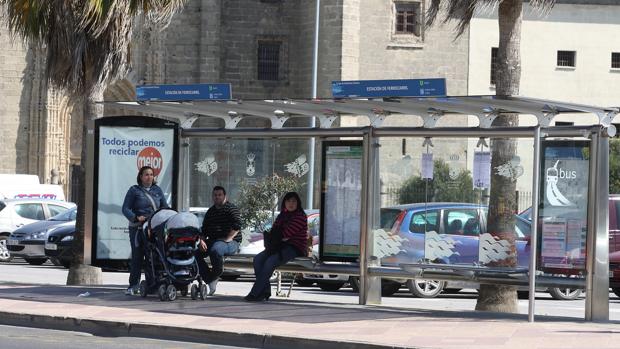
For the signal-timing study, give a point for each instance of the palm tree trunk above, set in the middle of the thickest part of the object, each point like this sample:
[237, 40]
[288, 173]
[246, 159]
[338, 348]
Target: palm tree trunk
[80, 273]
[501, 298]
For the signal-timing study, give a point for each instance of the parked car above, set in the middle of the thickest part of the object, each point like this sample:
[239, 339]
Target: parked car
[15, 213]
[614, 240]
[59, 243]
[614, 272]
[28, 241]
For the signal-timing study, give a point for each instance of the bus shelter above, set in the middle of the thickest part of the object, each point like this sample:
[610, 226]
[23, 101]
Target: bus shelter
[402, 185]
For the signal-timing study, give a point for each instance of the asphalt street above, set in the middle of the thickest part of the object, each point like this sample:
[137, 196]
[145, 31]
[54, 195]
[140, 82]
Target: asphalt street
[12, 337]
[19, 272]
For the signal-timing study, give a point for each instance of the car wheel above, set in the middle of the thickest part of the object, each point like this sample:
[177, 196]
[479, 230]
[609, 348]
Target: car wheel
[388, 287]
[523, 294]
[425, 288]
[5, 254]
[229, 277]
[55, 261]
[354, 281]
[66, 263]
[330, 286]
[616, 291]
[299, 280]
[35, 261]
[564, 294]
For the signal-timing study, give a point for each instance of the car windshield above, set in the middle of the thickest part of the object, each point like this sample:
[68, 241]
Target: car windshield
[68, 215]
[2, 206]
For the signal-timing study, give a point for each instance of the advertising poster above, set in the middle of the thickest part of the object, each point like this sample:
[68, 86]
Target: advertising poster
[341, 200]
[122, 152]
[482, 169]
[563, 204]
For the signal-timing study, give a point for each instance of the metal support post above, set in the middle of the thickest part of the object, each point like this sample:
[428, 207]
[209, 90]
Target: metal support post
[370, 286]
[597, 260]
[90, 192]
[534, 230]
[183, 187]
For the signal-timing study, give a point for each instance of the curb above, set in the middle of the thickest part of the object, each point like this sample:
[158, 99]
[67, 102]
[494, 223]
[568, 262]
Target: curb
[105, 328]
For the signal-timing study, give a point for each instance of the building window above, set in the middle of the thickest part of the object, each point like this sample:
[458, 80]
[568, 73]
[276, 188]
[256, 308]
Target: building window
[566, 59]
[615, 60]
[407, 18]
[493, 65]
[269, 60]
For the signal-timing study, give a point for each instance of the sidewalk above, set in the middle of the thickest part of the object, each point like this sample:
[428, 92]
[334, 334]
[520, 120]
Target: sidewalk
[285, 323]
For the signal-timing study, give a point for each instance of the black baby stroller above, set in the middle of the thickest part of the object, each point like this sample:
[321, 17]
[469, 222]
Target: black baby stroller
[172, 241]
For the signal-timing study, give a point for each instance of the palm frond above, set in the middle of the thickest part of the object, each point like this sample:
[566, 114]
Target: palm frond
[464, 10]
[86, 40]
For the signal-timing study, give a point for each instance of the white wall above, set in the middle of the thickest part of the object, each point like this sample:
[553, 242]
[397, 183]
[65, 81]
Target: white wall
[590, 30]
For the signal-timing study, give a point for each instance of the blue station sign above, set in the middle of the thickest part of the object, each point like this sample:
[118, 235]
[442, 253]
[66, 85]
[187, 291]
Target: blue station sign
[183, 92]
[389, 88]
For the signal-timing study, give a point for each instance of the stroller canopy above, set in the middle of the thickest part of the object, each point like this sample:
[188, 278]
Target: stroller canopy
[183, 220]
[160, 217]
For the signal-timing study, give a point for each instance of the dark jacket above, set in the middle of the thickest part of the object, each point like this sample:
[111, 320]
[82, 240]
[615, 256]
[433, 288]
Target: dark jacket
[218, 223]
[137, 204]
[294, 229]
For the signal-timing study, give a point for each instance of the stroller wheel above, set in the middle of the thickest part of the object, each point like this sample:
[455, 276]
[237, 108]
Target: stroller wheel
[161, 291]
[171, 292]
[184, 291]
[143, 289]
[194, 292]
[203, 291]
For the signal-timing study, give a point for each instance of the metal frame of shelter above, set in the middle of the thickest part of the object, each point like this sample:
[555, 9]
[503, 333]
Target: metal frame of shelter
[430, 110]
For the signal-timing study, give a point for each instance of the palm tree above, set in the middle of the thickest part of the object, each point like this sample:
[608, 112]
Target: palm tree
[502, 199]
[87, 45]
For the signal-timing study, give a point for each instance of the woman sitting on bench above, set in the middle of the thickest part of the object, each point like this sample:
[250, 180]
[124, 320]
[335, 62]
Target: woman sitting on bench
[291, 234]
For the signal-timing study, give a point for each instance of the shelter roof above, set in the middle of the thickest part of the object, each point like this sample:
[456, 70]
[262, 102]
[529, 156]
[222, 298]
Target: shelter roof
[430, 109]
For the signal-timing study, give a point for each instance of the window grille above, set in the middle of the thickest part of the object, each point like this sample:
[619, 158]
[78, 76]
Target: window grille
[269, 60]
[615, 60]
[493, 65]
[406, 20]
[566, 59]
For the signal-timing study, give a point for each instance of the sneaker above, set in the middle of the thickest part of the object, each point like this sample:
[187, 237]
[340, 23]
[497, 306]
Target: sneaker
[132, 291]
[212, 285]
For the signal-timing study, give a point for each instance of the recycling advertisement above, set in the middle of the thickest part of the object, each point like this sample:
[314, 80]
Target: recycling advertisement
[122, 152]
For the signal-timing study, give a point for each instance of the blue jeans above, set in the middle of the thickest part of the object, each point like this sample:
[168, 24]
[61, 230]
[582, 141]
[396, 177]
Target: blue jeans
[137, 256]
[216, 253]
[264, 266]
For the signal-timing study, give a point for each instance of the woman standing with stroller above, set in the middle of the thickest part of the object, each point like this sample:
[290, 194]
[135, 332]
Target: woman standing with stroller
[293, 224]
[140, 202]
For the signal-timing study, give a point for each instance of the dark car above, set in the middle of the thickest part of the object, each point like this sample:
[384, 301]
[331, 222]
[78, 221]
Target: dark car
[614, 240]
[28, 241]
[59, 243]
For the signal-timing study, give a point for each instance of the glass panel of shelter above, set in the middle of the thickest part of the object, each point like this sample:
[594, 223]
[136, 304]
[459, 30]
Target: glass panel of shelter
[443, 219]
[275, 165]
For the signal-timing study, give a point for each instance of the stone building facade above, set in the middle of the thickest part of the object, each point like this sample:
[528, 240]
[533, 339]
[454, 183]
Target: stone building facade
[263, 48]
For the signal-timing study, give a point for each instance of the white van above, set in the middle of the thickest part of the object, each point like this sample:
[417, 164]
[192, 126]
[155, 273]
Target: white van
[31, 191]
[27, 186]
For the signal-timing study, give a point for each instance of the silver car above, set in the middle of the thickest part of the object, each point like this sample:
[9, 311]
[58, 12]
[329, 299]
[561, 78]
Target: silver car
[28, 241]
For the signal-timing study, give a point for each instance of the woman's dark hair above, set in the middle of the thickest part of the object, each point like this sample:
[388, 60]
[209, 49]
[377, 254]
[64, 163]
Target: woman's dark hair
[142, 169]
[291, 194]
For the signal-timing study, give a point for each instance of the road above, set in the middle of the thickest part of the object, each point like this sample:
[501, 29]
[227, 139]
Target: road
[464, 301]
[13, 337]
